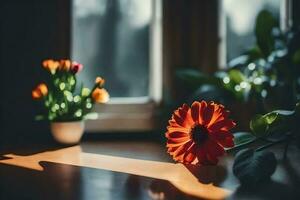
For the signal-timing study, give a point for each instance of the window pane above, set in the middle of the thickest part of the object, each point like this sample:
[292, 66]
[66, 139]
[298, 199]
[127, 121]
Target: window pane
[111, 39]
[240, 22]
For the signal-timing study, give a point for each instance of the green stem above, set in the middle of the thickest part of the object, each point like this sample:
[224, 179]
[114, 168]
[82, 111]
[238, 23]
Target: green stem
[271, 144]
[241, 145]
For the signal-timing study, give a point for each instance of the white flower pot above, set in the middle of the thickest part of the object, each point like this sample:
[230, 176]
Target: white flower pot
[67, 132]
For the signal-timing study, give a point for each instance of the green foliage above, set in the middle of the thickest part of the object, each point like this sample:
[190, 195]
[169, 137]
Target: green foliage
[252, 167]
[278, 121]
[64, 100]
[242, 138]
[265, 23]
[194, 77]
[296, 57]
[267, 74]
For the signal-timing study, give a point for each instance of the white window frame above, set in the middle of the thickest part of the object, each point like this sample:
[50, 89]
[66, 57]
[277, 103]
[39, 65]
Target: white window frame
[136, 113]
[285, 23]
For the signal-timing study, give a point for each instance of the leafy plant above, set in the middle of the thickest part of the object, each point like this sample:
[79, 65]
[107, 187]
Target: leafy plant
[60, 98]
[278, 126]
[267, 74]
[253, 167]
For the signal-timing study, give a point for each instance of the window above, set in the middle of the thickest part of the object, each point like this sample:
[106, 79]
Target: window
[121, 41]
[239, 21]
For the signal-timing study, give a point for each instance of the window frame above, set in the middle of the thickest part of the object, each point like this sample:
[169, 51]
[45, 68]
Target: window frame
[285, 22]
[135, 113]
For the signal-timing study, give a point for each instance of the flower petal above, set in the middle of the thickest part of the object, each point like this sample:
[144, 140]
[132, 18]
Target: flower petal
[208, 113]
[195, 111]
[173, 140]
[176, 134]
[219, 114]
[214, 151]
[201, 155]
[203, 106]
[225, 125]
[224, 138]
[190, 154]
[178, 129]
[179, 153]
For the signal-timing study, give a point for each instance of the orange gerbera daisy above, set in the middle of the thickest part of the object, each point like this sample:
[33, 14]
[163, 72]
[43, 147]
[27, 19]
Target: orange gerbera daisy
[199, 134]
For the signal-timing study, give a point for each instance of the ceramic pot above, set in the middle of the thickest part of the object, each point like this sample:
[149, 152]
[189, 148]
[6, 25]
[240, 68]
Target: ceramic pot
[67, 132]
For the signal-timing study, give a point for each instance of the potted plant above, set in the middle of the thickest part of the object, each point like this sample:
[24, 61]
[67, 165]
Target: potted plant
[264, 78]
[63, 103]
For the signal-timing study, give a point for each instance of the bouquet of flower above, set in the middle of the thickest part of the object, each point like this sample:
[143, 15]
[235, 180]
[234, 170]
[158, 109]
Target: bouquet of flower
[61, 99]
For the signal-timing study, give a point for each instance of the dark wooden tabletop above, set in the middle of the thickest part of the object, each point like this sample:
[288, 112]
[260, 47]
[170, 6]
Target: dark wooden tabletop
[130, 170]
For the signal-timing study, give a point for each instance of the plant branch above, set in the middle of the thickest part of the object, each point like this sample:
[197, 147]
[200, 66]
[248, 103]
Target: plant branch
[241, 145]
[271, 144]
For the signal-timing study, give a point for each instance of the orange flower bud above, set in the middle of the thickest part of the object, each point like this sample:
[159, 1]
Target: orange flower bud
[36, 94]
[65, 65]
[46, 63]
[43, 88]
[100, 95]
[51, 65]
[99, 81]
[40, 91]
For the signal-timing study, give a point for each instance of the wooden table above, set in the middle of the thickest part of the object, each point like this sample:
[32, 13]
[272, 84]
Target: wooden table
[130, 170]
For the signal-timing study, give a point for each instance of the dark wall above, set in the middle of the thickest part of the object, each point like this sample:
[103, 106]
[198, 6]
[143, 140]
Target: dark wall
[296, 13]
[31, 31]
[190, 39]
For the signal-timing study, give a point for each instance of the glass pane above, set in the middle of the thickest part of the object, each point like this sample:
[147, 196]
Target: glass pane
[111, 39]
[240, 22]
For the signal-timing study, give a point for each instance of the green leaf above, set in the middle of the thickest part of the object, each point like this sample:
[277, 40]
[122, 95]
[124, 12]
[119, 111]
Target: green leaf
[265, 22]
[270, 117]
[241, 138]
[277, 120]
[296, 57]
[85, 92]
[252, 167]
[236, 76]
[259, 125]
[196, 78]
[254, 54]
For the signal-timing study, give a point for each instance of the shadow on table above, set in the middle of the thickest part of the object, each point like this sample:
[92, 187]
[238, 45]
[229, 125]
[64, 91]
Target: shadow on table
[208, 174]
[57, 181]
[30, 149]
[62, 181]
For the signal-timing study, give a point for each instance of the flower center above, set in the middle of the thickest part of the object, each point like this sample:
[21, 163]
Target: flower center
[199, 134]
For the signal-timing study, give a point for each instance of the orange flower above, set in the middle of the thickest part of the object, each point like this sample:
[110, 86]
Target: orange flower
[51, 65]
[40, 91]
[65, 65]
[99, 81]
[199, 134]
[100, 95]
